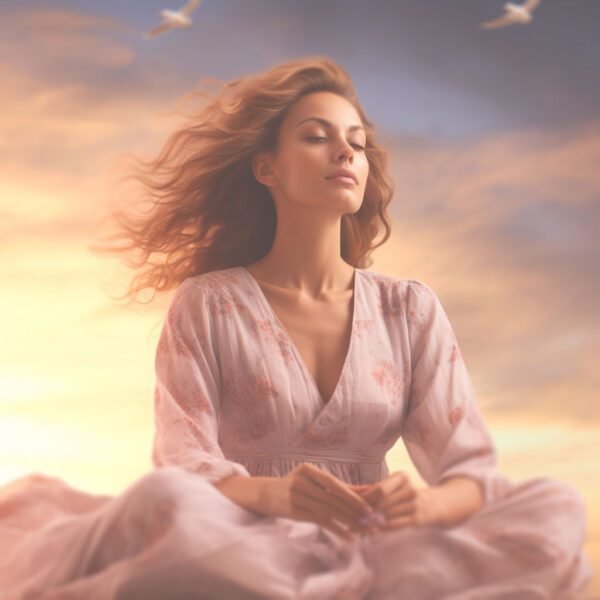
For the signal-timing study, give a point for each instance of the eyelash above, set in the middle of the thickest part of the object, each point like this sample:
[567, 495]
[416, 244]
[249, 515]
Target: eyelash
[322, 138]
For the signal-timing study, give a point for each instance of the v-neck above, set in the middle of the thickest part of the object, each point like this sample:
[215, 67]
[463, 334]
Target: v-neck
[293, 345]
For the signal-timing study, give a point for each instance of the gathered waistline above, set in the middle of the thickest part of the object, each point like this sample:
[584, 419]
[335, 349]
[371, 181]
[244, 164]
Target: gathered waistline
[301, 454]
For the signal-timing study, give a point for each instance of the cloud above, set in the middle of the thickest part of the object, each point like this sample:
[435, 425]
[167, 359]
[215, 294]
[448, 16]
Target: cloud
[64, 21]
[63, 36]
[505, 229]
[501, 226]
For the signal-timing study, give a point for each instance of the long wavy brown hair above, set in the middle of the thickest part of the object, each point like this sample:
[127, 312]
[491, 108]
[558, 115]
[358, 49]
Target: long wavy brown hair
[206, 210]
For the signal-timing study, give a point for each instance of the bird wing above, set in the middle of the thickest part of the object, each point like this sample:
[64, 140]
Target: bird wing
[500, 22]
[158, 30]
[189, 7]
[531, 5]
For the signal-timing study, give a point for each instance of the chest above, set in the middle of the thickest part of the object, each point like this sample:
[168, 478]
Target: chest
[320, 332]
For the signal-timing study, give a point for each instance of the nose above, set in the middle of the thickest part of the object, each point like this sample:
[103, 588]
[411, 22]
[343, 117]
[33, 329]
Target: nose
[347, 151]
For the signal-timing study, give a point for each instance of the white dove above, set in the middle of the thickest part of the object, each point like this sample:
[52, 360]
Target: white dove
[174, 18]
[515, 13]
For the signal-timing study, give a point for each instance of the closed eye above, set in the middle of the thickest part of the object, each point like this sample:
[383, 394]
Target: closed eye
[323, 138]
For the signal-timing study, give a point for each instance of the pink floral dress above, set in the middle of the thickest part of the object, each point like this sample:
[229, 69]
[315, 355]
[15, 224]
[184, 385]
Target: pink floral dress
[233, 396]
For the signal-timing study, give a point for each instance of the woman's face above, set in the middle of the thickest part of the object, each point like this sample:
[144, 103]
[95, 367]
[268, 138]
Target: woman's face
[310, 151]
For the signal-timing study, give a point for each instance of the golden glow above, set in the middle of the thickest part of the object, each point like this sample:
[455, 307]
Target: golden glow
[77, 373]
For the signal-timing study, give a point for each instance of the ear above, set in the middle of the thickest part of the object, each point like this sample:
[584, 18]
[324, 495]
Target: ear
[261, 167]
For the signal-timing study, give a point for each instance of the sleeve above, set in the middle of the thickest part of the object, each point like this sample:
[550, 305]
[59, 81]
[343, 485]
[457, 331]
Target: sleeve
[186, 394]
[443, 431]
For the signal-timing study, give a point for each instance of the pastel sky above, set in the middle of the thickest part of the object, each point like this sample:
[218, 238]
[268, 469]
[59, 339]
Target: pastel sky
[494, 141]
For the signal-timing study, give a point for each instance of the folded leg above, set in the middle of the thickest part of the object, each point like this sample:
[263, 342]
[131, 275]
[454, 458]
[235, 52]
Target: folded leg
[174, 535]
[525, 545]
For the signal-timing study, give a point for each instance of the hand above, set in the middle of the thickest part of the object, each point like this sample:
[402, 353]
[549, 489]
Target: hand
[398, 501]
[308, 493]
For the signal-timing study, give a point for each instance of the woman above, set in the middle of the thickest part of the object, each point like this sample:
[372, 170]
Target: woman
[284, 373]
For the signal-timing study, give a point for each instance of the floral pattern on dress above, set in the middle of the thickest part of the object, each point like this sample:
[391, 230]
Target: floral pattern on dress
[416, 319]
[170, 342]
[391, 303]
[273, 335]
[251, 396]
[267, 330]
[390, 379]
[455, 415]
[454, 353]
[362, 327]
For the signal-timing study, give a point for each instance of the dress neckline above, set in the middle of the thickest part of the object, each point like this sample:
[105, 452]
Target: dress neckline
[275, 318]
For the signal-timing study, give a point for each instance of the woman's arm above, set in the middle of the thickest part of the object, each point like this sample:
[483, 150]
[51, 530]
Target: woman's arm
[453, 500]
[188, 389]
[443, 430]
[247, 492]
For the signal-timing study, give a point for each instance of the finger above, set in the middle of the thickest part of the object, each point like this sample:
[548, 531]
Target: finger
[361, 493]
[339, 498]
[337, 488]
[389, 491]
[399, 477]
[324, 510]
[398, 523]
[398, 497]
[341, 491]
[374, 497]
[394, 482]
[312, 490]
[360, 488]
[402, 509]
[344, 533]
[396, 477]
[331, 499]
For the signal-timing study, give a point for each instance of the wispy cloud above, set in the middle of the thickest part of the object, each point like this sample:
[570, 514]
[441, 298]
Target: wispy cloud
[505, 227]
[501, 225]
[69, 35]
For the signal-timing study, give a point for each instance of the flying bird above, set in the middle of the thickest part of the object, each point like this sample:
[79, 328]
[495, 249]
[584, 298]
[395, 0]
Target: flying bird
[514, 13]
[174, 18]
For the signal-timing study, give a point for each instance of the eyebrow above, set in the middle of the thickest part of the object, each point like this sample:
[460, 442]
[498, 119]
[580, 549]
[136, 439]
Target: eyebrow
[328, 124]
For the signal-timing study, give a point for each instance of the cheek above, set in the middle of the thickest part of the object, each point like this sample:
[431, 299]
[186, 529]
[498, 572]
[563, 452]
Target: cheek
[307, 168]
[364, 165]
[365, 172]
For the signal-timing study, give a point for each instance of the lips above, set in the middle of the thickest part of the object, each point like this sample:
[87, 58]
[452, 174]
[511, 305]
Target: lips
[343, 173]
